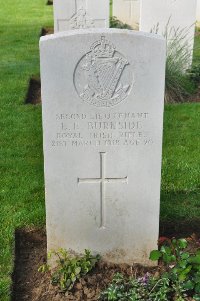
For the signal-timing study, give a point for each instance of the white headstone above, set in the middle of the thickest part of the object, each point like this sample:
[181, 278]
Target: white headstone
[102, 101]
[172, 14]
[77, 14]
[198, 13]
[127, 11]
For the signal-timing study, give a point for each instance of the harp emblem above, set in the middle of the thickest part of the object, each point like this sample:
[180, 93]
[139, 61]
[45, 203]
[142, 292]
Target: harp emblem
[103, 76]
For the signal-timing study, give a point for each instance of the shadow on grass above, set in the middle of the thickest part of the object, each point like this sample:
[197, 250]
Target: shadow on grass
[33, 95]
[180, 213]
[49, 2]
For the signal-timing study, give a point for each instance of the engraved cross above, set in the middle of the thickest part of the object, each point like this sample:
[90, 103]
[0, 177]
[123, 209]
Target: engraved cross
[103, 180]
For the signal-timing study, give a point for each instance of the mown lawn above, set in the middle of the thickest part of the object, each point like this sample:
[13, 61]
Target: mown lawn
[21, 159]
[180, 194]
[180, 191]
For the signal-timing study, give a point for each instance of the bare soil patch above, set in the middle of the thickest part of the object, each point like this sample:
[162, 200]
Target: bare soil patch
[33, 95]
[30, 252]
[46, 30]
[31, 285]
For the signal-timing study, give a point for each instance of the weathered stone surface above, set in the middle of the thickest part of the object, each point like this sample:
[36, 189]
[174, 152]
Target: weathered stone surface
[102, 101]
[77, 14]
[127, 11]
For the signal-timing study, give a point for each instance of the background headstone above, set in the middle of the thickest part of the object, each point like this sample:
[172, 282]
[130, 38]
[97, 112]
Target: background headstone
[127, 11]
[173, 14]
[77, 14]
[102, 101]
[198, 13]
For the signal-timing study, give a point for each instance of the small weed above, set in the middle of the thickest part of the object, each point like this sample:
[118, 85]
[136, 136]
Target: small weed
[178, 279]
[147, 288]
[182, 268]
[69, 268]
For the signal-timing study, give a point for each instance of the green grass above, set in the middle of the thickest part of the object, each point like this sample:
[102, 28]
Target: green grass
[21, 159]
[110, 8]
[180, 194]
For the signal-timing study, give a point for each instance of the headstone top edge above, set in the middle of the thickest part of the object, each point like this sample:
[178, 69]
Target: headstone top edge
[69, 33]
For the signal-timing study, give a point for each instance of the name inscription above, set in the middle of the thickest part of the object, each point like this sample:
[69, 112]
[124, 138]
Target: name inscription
[109, 129]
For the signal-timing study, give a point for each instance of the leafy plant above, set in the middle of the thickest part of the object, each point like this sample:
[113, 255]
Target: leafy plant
[115, 23]
[146, 288]
[70, 268]
[178, 279]
[182, 267]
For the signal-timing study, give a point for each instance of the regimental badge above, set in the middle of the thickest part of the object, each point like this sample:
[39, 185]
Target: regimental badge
[103, 77]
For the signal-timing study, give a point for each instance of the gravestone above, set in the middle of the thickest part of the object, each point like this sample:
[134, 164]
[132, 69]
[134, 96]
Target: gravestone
[198, 13]
[102, 102]
[77, 14]
[176, 15]
[127, 11]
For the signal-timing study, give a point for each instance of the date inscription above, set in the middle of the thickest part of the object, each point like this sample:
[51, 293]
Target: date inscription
[109, 129]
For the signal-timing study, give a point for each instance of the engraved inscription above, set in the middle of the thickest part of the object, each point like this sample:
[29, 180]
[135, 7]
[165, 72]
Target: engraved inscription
[103, 76]
[103, 180]
[123, 129]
